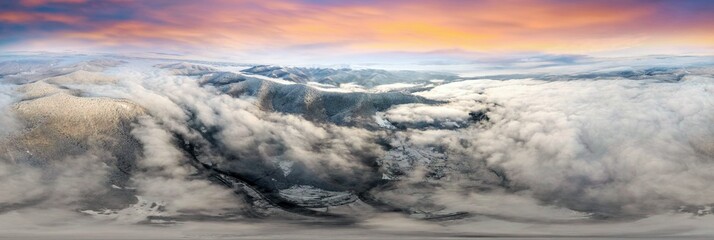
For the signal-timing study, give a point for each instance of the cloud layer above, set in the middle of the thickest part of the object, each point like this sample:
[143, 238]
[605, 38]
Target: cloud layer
[499, 153]
[614, 146]
[324, 27]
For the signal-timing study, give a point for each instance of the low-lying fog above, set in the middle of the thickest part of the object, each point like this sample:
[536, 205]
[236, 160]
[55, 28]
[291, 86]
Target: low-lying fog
[115, 147]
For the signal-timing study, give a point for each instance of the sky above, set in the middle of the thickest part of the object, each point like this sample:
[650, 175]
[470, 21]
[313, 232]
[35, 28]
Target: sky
[330, 30]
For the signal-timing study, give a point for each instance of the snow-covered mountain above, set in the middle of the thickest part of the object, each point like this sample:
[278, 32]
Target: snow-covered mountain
[362, 77]
[158, 141]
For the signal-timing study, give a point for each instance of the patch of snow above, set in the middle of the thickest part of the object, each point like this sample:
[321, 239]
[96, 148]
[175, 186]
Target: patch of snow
[286, 166]
[135, 213]
[393, 86]
[382, 122]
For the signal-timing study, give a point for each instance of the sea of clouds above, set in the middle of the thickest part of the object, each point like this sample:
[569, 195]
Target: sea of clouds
[562, 156]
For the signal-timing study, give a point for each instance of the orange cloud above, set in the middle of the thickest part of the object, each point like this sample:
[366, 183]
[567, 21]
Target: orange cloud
[489, 25]
[34, 3]
[23, 17]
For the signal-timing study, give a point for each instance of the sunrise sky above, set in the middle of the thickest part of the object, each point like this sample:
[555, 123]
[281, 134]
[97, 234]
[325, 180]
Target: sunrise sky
[315, 28]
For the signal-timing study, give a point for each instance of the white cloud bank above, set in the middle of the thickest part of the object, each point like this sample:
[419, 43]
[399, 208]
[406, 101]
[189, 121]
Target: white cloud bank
[550, 152]
[616, 146]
